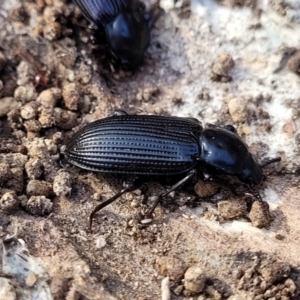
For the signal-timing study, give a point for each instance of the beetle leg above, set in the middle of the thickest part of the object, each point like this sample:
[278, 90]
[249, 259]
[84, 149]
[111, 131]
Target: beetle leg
[135, 184]
[192, 173]
[119, 113]
[230, 128]
[270, 161]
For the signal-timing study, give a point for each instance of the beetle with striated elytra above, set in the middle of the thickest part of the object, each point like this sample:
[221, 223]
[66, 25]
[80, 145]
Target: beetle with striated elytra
[149, 145]
[126, 26]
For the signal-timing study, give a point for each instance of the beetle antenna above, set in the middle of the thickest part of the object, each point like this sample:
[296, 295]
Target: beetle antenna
[270, 161]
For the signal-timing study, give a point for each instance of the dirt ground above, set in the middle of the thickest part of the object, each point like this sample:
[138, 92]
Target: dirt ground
[224, 62]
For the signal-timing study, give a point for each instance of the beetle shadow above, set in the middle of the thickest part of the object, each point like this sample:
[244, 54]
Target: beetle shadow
[279, 223]
[152, 187]
[214, 284]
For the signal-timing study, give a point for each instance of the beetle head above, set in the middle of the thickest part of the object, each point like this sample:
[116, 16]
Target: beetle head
[223, 150]
[128, 36]
[253, 175]
[252, 172]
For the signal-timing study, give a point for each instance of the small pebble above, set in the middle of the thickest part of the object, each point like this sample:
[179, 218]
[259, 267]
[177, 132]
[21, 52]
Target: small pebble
[9, 202]
[14, 159]
[194, 279]
[49, 97]
[223, 64]
[41, 148]
[171, 267]
[29, 110]
[146, 221]
[34, 168]
[39, 187]
[276, 271]
[25, 93]
[100, 242]
[5, 173]
[51, 13]
[134, 203]
[39, 205]
[279, 237]
[52, 148]
[131, 223]
[71, 96]
[32, 126]
[237, 109]
[6, 105]
[147, 93]
[52, 31]
[290, 284]
[230, 209]
[65, 119]
[31, 279]
[62, 183]
[57, 138]
[257, 215]
[203, 189]
[246, 129]
[46, 117]
[16, 183]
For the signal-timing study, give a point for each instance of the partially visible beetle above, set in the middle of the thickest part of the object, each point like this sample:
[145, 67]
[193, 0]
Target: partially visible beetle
[155, 145]
[125, 24]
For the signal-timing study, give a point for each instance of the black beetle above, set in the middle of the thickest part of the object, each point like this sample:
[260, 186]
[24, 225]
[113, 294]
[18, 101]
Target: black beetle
[125, 25]
[143, 145]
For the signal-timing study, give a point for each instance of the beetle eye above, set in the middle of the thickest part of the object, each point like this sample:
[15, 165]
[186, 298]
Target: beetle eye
[142, 6]
[230, 128]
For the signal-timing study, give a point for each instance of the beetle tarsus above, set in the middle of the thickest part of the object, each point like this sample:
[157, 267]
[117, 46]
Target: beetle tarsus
[135, 184]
